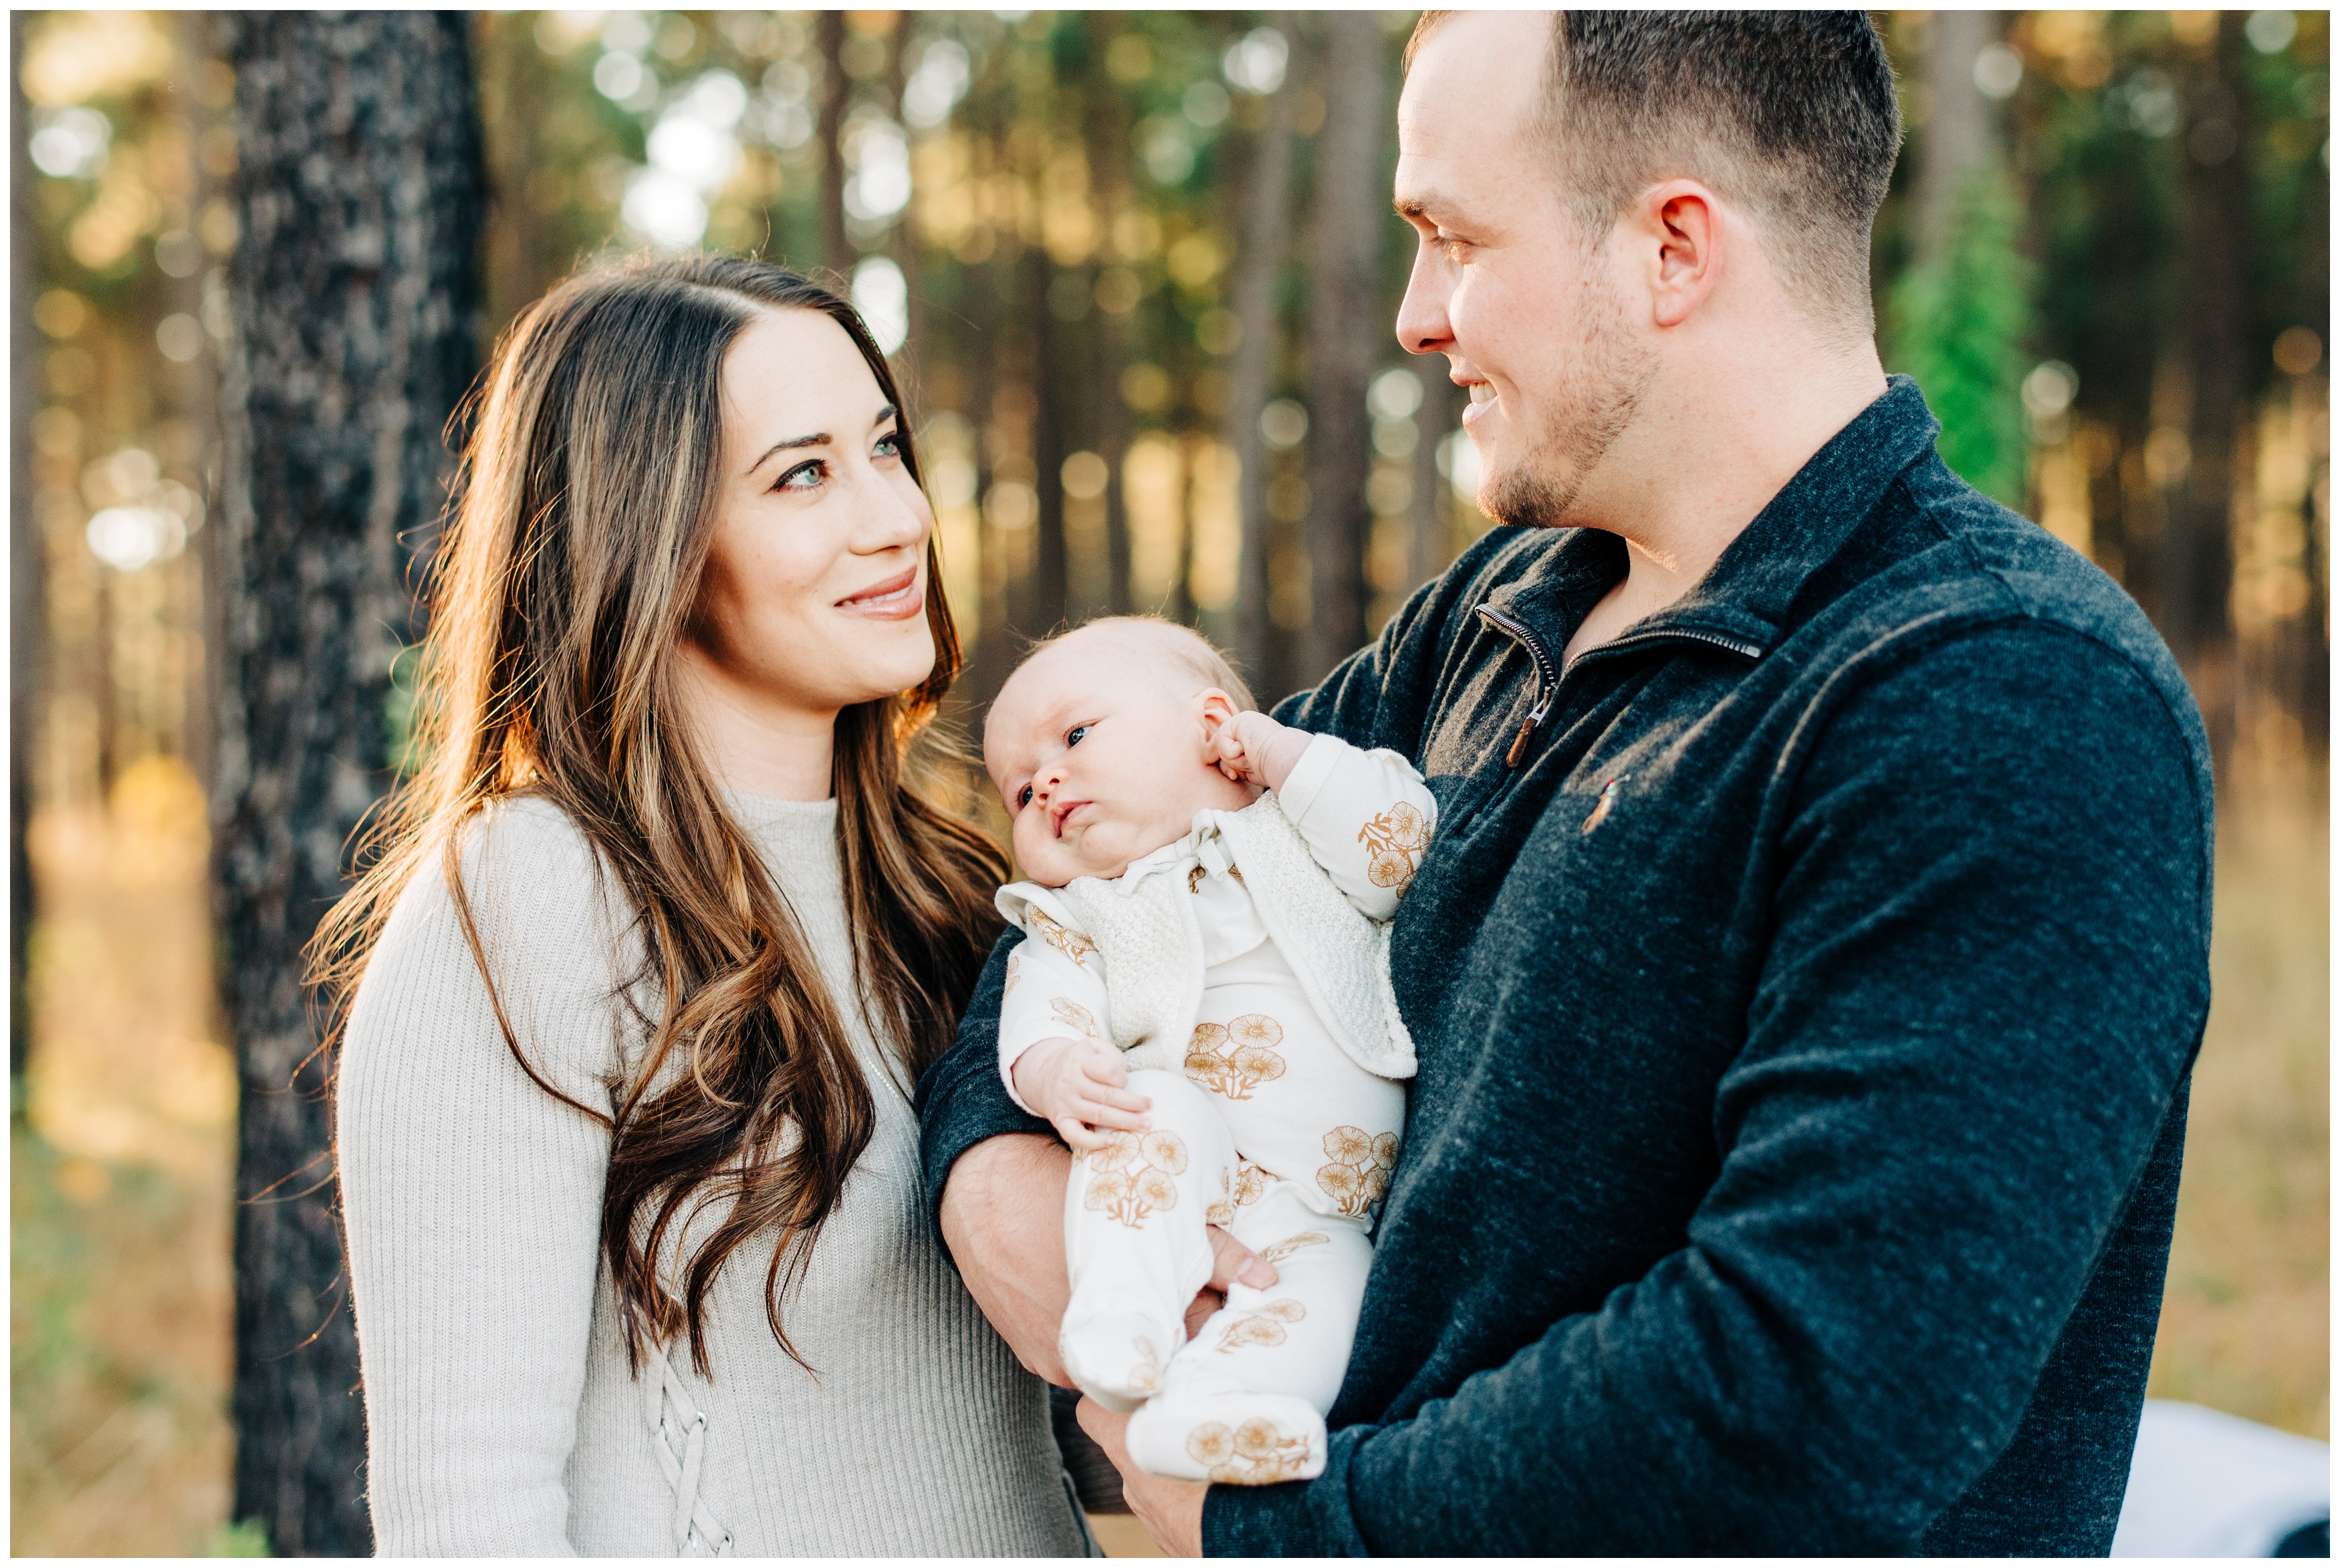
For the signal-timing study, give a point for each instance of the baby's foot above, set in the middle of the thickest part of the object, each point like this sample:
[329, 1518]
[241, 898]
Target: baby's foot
[1116, 1358]
[1237, 1439]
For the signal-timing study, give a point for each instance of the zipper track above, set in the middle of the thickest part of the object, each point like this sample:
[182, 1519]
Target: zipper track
[1549, 674]
[1547, 677]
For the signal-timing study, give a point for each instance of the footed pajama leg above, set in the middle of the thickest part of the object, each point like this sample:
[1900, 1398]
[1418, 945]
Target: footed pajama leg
[1243, 1404]
[1135, 1218]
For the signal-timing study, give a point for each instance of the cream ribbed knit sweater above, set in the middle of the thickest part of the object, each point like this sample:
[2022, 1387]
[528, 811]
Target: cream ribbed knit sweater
[500, 1417]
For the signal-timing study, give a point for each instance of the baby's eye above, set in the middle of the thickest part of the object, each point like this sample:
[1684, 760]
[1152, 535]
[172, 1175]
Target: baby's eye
[803, 477]
[1073, 736]
[1023, 797]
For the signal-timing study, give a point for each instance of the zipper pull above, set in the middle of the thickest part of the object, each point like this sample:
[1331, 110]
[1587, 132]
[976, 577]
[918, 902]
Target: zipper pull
[1535, 717]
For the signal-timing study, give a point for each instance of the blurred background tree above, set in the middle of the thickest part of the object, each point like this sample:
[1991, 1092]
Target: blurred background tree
[1139, 273]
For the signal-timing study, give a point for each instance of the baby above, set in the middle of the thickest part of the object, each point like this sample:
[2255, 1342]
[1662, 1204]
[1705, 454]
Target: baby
[1202, 1010]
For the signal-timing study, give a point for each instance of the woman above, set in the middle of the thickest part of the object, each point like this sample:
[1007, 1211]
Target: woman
[659, 940]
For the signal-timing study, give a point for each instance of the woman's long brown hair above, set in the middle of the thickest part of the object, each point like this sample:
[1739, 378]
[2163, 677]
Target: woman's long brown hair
[557, 600]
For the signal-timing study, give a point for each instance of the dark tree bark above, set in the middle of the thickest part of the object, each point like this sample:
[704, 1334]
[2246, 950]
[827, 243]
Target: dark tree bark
[1266, 231]
[1344, 281]
[27, 556]
[1108, 134]
[828, 38]
[355, 299]
[1433, 421]
[2214, 286]
[1054, 370]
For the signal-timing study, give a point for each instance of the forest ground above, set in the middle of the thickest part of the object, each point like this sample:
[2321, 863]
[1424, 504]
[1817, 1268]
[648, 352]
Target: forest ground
[122, 1170]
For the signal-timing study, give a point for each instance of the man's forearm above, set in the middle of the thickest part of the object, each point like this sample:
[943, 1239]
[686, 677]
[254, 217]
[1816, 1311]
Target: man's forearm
[1002, 1218]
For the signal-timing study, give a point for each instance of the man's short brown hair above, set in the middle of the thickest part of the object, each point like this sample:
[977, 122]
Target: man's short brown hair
[1788, 114]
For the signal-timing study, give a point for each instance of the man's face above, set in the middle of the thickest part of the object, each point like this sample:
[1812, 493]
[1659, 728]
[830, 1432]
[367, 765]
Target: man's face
[1537, 323]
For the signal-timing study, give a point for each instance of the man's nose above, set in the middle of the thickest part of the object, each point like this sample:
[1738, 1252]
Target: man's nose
[1422, 324]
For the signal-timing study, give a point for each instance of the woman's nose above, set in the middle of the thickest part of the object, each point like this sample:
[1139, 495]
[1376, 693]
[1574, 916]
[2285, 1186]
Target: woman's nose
[889, 521]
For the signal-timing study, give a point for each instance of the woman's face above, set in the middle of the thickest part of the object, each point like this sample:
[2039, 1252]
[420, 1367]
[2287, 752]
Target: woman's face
[814, 597]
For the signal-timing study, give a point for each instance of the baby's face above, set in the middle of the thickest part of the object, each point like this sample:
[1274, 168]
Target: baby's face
[1100, 759]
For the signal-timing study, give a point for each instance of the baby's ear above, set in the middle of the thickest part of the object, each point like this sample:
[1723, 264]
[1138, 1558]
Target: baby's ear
[1213, 710]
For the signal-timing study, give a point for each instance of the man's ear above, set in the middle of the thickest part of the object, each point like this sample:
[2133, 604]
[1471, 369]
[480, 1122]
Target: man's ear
[1680, 224]
[1213, 710]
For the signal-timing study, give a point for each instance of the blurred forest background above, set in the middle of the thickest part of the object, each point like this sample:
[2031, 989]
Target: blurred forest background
[1139, 272]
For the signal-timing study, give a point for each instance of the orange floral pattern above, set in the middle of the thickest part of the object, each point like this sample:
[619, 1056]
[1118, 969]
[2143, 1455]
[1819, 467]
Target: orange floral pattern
[1073, 1016]
[1250, 1183]
[1015, 963]
[1061, 937]
[1360, 1172]
[1265, 1327]
[1145, 1372]
[1394, 842]
[1276, 1252]
[1222, 1212]
[1255, 1452]
[1131, 1177]
[1235, 1058]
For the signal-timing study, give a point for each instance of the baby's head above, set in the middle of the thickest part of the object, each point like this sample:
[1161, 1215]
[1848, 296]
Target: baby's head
[1099, 745]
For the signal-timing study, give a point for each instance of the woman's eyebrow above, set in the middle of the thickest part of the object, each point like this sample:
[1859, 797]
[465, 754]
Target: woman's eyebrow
[817, 439]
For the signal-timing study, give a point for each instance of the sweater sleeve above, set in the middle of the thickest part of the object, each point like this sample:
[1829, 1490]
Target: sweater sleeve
[473, 1196]
[961, 1100]
[1047, 994]
[1987, 976]
[1366, 817]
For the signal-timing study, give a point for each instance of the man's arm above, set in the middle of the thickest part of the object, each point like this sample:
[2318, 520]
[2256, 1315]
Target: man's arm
[1986, 980]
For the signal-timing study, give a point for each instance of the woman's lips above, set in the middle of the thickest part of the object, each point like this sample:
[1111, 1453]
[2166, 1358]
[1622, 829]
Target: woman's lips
[896, 598]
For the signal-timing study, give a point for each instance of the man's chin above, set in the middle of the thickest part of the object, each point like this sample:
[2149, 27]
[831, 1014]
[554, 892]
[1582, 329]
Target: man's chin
[1525, 500]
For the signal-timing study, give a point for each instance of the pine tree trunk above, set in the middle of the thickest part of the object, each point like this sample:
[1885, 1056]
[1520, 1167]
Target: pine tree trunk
[1266, 229]
[828, 38]
[354, 296]
[27, 554]
[2216, 275]
[1352, 217]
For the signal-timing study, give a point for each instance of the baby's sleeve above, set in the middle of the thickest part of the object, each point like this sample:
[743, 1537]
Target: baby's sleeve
[1054, 990]
[1366, 817]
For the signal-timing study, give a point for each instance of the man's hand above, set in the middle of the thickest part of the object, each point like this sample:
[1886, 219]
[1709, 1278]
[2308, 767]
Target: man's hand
[1080, 1087]
[1171, 1510]
[1252, 748]
[1003, 1219]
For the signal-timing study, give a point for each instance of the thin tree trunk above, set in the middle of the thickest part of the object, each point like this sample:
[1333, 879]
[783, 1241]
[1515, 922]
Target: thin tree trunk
[1050, 584]
[1108, 134]
[1433, 421]
[1266, 229]
[27, 552]
[1958, 125]
[354, 296]
[829, 38]
[1352, 217]
[2215, 288]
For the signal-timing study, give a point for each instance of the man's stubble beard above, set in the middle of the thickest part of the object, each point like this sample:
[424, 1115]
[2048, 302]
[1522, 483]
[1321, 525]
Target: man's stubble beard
[1598, 404]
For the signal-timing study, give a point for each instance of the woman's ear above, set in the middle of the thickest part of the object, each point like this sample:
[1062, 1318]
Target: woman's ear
[1214, 711]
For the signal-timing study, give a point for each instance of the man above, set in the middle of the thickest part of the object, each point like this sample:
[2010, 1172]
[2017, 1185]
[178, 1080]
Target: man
[1814, 947]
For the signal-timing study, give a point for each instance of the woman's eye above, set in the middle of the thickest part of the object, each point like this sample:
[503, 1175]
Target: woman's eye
[1024, 797]
[1072, 736]
[888, 445]
[803, 477]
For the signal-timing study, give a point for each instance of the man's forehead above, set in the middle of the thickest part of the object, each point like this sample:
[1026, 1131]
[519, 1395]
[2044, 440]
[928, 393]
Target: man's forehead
[1473, 92]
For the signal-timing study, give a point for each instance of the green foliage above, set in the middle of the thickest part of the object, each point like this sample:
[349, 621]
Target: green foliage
[403, 752]
[1959, 324]
[245, 1538]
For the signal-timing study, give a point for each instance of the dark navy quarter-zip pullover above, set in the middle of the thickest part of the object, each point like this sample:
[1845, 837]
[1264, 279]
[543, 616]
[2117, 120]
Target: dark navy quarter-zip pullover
[1805, 985]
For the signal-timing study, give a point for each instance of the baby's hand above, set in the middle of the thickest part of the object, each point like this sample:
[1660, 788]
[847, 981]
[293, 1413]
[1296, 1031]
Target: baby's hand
[1081, 1086]
[1252, 748]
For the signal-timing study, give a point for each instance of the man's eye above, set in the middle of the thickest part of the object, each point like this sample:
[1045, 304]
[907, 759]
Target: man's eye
[1072, 736]
[1024, 797]
[803, 477]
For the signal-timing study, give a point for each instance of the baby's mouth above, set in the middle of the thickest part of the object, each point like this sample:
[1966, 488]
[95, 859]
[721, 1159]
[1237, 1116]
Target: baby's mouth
[1058, 814]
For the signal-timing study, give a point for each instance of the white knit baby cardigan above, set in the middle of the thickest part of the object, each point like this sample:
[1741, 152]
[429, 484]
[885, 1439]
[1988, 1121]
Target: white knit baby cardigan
[501, 1420]
[1144, 923]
